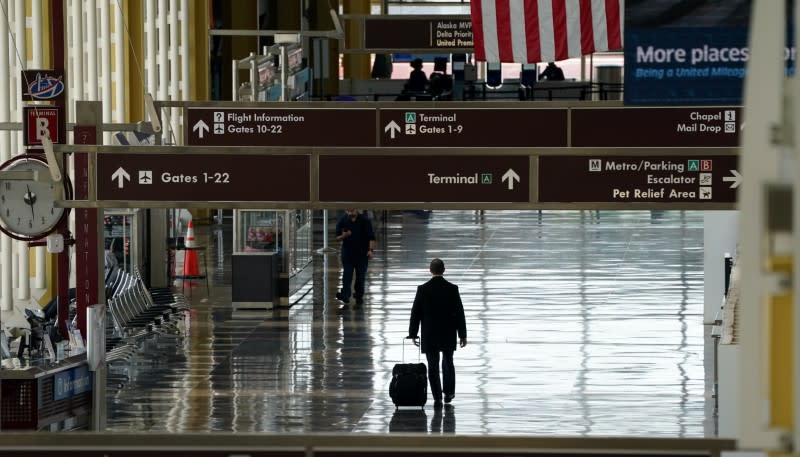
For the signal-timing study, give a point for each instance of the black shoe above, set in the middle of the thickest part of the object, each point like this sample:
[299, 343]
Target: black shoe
[359, 301]
[341, 298]
[449, 398]
[437, 404]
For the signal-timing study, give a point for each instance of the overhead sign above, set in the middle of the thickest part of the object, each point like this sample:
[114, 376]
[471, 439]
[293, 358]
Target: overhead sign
[463, 179]
[203, 177]
[638, 179]
[473, 127]
[656, 127]
[277, 127]
[688, 53]
[398, 33]
[42, 122]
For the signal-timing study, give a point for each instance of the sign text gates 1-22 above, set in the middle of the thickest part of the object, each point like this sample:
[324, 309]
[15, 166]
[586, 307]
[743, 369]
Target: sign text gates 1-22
[203, 177]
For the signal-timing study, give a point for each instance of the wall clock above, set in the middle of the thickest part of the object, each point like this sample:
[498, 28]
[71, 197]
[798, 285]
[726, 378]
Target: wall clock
[27, 206]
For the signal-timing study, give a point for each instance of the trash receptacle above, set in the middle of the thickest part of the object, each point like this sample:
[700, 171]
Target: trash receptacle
[254, 280]
[609, 78]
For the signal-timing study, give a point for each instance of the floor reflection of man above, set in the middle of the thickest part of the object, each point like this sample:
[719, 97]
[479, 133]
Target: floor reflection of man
[446, 424]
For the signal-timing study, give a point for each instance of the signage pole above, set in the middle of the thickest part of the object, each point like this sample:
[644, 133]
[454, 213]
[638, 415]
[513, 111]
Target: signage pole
[95, 357]
[88, 228]
[325, 228]
[57, 24]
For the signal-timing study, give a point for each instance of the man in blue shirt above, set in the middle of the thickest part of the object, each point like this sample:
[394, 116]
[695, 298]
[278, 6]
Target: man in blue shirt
[355, 232]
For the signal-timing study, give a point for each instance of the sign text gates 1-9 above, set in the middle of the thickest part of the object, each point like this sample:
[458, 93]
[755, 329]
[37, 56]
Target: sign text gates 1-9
[203, 177]
[473, 127]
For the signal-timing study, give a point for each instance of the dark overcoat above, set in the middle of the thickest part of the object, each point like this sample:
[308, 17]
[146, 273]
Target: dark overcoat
[438, 307]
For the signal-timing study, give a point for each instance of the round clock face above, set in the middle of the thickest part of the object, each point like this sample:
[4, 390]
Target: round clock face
[27, 206]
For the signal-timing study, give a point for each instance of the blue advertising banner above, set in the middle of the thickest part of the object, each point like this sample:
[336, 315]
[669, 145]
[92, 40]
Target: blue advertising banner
[72, 382]
[685, 67]
[687, 53]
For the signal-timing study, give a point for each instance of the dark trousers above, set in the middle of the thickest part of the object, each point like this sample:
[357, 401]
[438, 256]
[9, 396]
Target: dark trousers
[448, 374]
[360, 267]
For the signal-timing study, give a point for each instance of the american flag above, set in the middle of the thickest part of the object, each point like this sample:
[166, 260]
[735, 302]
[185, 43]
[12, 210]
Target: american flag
[530, 31]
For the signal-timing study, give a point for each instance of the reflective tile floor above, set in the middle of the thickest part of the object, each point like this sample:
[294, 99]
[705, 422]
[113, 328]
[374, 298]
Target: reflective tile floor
[579, 323]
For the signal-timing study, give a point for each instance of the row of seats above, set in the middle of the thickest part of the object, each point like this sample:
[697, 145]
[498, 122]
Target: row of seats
[136, 314]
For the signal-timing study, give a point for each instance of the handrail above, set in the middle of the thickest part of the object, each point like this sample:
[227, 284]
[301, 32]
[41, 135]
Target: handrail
[90, 444]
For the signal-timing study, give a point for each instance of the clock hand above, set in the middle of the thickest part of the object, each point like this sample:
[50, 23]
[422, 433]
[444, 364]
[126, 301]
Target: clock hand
[29, 196]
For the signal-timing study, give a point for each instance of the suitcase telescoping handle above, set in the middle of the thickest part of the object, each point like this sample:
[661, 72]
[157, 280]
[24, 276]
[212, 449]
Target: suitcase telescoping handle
[419, 354]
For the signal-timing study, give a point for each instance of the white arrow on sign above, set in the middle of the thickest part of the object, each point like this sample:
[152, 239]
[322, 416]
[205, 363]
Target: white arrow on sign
[392, 128]
[199, 127]
[736, 178]
[120, 175]
[510, 176]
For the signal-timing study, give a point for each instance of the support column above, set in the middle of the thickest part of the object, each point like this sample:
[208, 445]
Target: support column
[92, 77]
[19, 57]
[76, 48]
[40, 58]
[183, 50]
[163, 59]
[59, 40]
[123, 103]
[130, 67]
[174, 71]
[759, 162]
[198, 52]
[105, 66]
[18, 62]
[240, 15]
[6, 249]
[325, 54]
[356, 66]
[39, 33]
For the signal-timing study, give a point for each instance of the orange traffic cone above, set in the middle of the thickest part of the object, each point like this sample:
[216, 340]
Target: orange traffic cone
[190, 266]
[189, 241]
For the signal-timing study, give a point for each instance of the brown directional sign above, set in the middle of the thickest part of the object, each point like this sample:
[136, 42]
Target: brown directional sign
[495, 179]
[203, 177]
[631, 179]
[398, 33]
[351, 127]
[656, 127]
[473, 127]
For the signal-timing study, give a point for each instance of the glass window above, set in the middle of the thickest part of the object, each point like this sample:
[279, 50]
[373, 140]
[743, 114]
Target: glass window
[257, 231]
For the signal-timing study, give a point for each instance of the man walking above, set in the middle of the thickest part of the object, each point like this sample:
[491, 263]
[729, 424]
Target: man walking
[438, 307]
[355, 232]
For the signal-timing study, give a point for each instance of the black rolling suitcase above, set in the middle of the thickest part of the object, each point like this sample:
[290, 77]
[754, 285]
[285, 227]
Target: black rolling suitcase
[409, 385]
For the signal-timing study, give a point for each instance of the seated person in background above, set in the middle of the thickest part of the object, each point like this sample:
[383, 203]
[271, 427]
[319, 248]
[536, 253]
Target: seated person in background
[552, 73]
[441, 84]
[417, 81]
